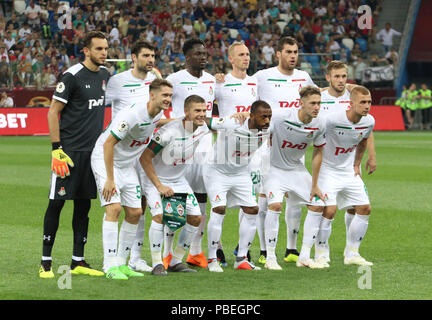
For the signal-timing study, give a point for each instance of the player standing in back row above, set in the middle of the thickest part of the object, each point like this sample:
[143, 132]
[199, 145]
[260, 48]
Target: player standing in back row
[79, 100]
[123, 90]
[193, 81]
[335, 98]
[280, 86]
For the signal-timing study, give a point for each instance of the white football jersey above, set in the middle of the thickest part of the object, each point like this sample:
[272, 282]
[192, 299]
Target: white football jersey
[331, 104]
[133, 128]
[342, 137]
[174, 148]
[124, 89]
[236, 95]
[282, 92]
[291, 138]
[185, 85]
[235, 145]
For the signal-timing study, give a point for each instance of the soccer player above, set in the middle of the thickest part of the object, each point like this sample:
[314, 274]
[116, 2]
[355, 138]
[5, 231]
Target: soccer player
[347, 132]
[113, 159]
[279, 86]
[164, 161]
[123, 90]
[333, 99]
[228, 180]
[235, 92]
[193, 81]
[292, 133]
[79, 100]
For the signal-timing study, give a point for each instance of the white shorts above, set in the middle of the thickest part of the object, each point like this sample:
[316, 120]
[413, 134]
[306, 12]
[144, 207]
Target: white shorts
[154, 200]
[194, 176]
[297, 183]
[234, 190]
[126, 181]
[342, 188]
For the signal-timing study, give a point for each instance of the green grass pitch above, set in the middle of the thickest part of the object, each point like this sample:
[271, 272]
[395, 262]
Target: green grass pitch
[398, 240]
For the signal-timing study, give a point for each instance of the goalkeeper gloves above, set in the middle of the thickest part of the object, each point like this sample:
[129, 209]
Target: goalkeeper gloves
[60, 161]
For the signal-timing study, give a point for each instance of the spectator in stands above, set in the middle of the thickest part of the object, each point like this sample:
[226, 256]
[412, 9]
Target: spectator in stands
[392, 56]
[5, 101]
[385, 36]
[33, 13]
[3, 54]
[359, 65]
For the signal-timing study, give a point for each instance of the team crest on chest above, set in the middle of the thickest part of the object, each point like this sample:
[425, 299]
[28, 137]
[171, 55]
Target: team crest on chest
[253, 92]
[103, 85]
[211, 90]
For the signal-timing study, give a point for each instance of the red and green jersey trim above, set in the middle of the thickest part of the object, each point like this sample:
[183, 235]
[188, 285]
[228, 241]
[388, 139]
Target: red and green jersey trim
[155, 147]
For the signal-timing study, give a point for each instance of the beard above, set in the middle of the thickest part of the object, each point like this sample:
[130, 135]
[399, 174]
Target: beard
[95, 62]
[144, 69]
[335, 88]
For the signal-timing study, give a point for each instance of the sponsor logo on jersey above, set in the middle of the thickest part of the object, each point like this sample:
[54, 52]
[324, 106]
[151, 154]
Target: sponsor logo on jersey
[341, 150]
[290, 104]
[137, 143]
[243, 108]
[288, 144]
[96, 103]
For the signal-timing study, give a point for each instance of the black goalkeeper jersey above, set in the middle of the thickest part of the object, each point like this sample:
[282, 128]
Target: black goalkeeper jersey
[82, 119]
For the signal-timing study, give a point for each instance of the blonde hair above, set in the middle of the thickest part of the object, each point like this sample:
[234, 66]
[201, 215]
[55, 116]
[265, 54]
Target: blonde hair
[233, 45]
[335, 64]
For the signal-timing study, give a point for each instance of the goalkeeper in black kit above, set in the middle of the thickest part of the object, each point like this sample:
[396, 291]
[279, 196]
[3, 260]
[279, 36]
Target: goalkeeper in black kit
[79, 102]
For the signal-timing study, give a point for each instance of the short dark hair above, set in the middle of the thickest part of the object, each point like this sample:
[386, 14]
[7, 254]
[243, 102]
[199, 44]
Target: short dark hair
[259, 104]
[193, 99]
[157, 83]
[93, 34]
[189, 44]
[286, 40]
[141, 45]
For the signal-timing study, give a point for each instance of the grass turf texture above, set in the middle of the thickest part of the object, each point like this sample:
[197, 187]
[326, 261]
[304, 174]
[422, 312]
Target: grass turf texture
[397, 241]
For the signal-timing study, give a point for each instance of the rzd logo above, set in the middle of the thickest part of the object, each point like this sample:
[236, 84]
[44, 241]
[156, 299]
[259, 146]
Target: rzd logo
[243, 108]
[287, 104]
[96, 103]
[340, 150]
[136, 143]
[287, 144]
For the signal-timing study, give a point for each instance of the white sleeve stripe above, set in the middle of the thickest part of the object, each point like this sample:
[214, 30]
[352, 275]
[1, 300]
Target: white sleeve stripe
[60, 99]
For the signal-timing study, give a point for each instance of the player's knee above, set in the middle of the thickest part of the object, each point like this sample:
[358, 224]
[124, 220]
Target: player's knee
[276, 207]
[315, 208]
[351, 211]
[329, 212]
[250, 210]
[219, 210]
[56, 204]
[193, 220]
[133, 215]
[112, 212]
[364, 210]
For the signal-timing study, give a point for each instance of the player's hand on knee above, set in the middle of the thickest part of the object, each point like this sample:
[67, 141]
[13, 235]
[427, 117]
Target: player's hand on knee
[60, 163]
[165, 191]
[109, 190]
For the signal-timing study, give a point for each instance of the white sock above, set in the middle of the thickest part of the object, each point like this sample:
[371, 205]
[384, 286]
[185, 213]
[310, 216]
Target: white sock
[186, 235]
[126, 239]
[262, 211]
[110, 242]
[271, 232]
[357, 231]
[292, 219]
[348, 219]
[156, 237]
[322, 239]
[246, 233]
[196, 247]
[139, 240]
[310, 231]
[240, 215]
[214, 232]
[168, 235]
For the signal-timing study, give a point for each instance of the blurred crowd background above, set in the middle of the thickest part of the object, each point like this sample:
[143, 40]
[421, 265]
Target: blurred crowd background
[41, 39]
